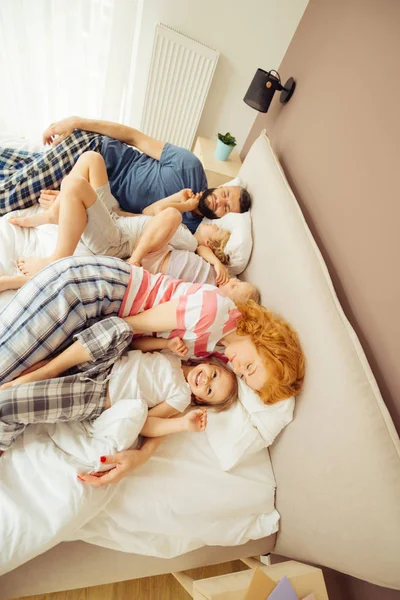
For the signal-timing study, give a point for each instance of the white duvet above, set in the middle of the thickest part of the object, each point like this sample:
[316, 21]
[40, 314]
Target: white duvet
[177, 502]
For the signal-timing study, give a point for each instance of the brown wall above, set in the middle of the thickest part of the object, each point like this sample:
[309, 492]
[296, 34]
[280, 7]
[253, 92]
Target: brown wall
[338, 140]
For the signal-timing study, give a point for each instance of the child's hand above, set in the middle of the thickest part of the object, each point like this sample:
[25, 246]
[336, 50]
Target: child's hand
[192, 201]
[176, 345]
[196, 420]
[221, 274]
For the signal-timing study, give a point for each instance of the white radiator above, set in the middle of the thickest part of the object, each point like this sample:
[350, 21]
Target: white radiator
[180, 75]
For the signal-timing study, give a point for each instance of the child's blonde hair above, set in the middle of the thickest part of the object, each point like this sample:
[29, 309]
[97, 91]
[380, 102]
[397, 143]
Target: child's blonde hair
[218, 246]
[233, 396]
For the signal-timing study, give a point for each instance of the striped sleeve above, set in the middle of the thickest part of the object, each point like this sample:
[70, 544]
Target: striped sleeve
[203, 319]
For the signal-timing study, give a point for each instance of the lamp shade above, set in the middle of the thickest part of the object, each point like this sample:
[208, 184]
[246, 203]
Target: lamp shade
[261, 90]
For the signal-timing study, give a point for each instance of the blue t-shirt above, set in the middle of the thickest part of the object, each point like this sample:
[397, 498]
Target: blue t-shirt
[137, 180]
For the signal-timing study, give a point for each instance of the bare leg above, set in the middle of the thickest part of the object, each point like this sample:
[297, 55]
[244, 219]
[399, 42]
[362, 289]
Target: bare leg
[76, 196]
[12, 282]
[91, 167]
[156, 234]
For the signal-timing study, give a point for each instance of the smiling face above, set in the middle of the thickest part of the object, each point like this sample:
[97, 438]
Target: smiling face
[224, 199]
[210, 383]
[247, 362]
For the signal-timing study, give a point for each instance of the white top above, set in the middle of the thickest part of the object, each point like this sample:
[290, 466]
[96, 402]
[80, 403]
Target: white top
[133, 227]
[154, 377]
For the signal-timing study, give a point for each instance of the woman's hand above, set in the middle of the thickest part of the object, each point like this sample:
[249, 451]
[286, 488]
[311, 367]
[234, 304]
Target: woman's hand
[62, 129]
[123, 462]
[196, 420]
[221, 274]
[177, 346]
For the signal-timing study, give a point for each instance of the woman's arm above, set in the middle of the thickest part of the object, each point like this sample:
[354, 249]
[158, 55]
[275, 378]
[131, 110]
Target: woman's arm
[72, 356]
[160, 318]
[149, 344]
[123, 463]
[123, 133]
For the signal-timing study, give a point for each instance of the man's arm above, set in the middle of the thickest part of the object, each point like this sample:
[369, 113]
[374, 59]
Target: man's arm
[123, 133]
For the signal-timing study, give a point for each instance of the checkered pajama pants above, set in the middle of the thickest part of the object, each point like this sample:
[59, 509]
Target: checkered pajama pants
[24, 174]
[62, 300]
[78, 396]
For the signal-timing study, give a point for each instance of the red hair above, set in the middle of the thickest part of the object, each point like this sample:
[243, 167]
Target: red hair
[278, 344]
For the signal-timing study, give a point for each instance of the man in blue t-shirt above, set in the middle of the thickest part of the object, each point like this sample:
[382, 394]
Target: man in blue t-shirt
[143, 172]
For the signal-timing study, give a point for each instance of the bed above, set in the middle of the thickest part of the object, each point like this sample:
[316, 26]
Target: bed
[336, 466]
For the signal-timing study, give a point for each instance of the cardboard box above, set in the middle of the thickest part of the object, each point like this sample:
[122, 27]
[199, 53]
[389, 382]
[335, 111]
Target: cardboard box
[236, 586]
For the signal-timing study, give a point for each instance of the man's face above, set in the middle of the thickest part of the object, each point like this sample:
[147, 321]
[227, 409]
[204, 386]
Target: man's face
[224, 199]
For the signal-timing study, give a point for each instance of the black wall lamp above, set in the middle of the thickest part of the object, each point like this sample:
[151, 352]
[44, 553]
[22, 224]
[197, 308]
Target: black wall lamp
[263, 88]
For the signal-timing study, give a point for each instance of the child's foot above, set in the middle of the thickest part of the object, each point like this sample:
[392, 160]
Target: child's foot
[31, 220]
[31, 266]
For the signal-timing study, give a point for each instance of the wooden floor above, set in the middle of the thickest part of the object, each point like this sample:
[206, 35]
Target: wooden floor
[162, 587]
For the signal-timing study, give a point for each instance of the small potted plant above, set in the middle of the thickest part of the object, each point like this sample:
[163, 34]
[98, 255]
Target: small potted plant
[225, 145]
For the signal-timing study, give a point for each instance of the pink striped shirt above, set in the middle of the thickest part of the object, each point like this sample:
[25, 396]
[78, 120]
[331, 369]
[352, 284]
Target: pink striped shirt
[204, 315]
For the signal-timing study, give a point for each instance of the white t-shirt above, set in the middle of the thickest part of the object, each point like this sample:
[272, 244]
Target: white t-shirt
[133, 227]
[154, 377]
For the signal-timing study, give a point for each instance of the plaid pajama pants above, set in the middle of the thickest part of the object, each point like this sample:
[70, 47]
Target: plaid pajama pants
[24, 174]
[78, 396]
[62, 300]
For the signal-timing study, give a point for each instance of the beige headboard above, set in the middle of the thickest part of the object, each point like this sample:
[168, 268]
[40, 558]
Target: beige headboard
[337, 465]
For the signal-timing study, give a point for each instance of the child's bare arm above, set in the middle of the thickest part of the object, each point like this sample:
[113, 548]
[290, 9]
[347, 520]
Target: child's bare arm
[195, 420]
[222, 273]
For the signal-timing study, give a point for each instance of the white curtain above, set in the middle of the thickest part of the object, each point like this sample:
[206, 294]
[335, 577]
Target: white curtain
[65, 57]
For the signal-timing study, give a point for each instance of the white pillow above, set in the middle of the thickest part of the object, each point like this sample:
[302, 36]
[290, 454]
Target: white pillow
[240, 243]
[247, 427]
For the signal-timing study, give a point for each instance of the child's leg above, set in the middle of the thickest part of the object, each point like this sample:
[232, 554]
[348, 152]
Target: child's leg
[156, 234]
[76, 196]
[91, 167]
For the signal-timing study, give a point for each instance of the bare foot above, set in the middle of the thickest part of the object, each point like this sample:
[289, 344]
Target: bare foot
[32, 220]
[31, 266]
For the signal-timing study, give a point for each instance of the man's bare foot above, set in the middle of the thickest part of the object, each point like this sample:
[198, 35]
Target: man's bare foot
[31, 266]
[12, 282]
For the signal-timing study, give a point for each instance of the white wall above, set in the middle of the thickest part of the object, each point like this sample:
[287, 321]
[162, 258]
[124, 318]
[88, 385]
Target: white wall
[248, 34]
